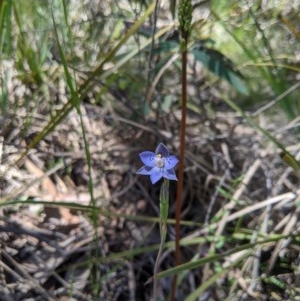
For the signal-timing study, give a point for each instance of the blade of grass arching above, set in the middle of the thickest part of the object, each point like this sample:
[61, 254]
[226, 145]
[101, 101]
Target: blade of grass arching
[150, 248]
[76, 103]
[128, 254]
[86, 208]
[210, 281]
[213, 279]
[201, 289]
[194, 264]
[96, 278]
[217, 257]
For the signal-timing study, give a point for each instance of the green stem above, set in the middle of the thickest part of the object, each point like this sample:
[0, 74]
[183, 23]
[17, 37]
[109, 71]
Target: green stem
[164, 209]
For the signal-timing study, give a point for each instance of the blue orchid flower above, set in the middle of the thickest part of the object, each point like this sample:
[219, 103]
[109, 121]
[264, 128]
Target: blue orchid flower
[159, 164]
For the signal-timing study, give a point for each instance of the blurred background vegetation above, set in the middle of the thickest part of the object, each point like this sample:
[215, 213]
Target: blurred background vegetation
[86, 85]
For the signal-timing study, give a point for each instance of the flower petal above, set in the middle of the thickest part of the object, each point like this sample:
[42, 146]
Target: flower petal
[162, 149]
[170, 162]
[169, 174]
[156, 175]
[148, 158]
[145, 170]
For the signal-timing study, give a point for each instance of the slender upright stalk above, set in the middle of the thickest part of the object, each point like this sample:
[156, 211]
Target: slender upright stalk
[185, 17]
[164, 209]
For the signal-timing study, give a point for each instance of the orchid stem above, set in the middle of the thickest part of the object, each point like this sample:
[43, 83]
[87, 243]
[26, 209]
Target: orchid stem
[164, 209]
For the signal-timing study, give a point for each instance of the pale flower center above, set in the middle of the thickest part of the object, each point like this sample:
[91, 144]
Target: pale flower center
[159, 161]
